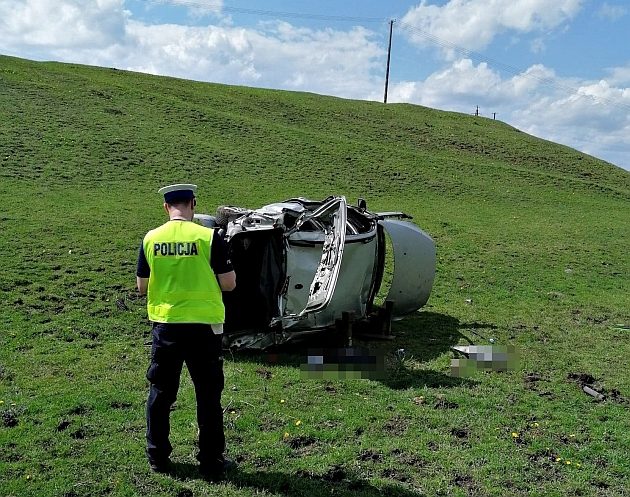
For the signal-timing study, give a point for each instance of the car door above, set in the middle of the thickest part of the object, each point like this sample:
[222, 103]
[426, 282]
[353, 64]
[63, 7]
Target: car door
[325, 227]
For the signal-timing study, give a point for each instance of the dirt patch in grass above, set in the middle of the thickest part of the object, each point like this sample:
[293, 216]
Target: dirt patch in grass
[543, 456]
[335, 473]
[81, 433]
[396, 425]
[10, 417]
[79, 410]
[395, 474]
[305, 473]
[10, 454]
[63, 425]
[582, 378]
[466, 482]
[586, 380]
[302, 444]
[600, 484]
[432, 446]
[334, 424]
[461, 433]
[6, 375]
[408, 459]
[71, 493]
[532, 377]
[88, 334]
[264, 373]
[262, 462]
[617, 397]
[268, 423]
[443, 403]
[532, 380]
[369, 455]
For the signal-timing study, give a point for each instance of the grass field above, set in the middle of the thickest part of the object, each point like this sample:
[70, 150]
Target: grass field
[532, 239]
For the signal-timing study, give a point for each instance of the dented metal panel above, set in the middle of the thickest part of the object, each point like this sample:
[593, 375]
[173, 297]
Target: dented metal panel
[333, 217]
[414, 266]
[302, 264]
[354, 281]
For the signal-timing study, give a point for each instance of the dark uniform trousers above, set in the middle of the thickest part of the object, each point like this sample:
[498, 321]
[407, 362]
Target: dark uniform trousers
[200, 349]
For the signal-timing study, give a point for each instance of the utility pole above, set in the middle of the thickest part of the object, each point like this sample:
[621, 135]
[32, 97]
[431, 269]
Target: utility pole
[389, 56]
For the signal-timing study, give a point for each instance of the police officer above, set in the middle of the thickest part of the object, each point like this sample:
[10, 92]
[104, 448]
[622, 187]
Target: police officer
[183, 268]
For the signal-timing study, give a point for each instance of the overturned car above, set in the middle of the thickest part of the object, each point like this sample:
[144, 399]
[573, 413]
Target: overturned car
[306, 266]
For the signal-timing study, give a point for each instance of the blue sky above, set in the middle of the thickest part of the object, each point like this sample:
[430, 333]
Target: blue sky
[556, 69]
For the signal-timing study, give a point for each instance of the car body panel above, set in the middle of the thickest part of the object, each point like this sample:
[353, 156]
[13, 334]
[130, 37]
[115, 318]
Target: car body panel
[332, 216]
[355, 275]
[304, 266]
[414, 266]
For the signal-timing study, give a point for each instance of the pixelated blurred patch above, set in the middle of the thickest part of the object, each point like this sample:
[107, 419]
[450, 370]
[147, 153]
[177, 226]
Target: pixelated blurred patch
[343, 363]
[477, 358]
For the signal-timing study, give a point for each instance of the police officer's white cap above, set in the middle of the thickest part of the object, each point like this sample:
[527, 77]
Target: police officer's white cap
[180, 191]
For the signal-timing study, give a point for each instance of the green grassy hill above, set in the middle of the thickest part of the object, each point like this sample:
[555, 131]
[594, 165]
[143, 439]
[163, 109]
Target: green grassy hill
[532, 244]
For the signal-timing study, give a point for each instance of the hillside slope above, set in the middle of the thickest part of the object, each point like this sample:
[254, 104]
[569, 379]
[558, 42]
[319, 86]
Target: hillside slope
[532, 244]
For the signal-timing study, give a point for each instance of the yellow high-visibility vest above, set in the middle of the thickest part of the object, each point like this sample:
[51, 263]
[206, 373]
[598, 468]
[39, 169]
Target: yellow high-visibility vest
[182, 286]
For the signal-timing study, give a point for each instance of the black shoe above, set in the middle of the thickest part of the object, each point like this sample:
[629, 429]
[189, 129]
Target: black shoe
[160, 466]
[216, 470]
[229, 465]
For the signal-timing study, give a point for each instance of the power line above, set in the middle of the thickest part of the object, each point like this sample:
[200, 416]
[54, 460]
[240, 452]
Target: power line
[274, 13]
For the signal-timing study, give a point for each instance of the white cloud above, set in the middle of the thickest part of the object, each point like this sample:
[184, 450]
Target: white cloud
[37, 24]
[462, 86]
[612, 12]
[592, 109]
[593, 117]
[276, 54]
[619, 75]
[473, 24]
[204, 53]
[531, 79]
